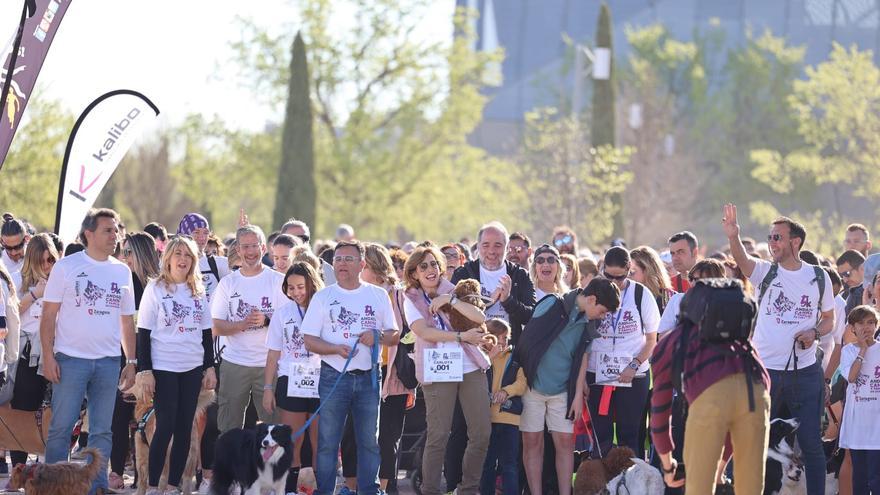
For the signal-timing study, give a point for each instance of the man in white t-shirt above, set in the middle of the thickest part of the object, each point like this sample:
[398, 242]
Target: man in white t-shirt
[87, 313]
[795, 310]
[14, 238]
[241, 308]
[346, 323]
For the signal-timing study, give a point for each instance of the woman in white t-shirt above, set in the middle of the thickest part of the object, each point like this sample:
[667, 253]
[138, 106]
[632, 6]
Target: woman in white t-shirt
[30, 386]
[859, 430]
[287, 348]
[547, 272]
[175, 356]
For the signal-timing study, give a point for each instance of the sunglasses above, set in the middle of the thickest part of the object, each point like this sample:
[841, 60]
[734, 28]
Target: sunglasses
[845, 274]
[347, 259]
[17, 247]
[774, 237]
[423, 266]
[550, 260]
[304, 237]
[614, 277]
[516, 249]
[127, 252]
[566, 239]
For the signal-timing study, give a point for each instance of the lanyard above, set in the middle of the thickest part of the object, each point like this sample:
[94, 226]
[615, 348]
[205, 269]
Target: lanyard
[437, 317]
[300, 311]
[616, 319]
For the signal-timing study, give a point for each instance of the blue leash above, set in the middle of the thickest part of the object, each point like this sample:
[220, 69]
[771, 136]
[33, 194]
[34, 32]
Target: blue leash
[373, 374]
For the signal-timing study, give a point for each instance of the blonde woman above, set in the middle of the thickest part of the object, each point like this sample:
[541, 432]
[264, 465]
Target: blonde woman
[548, 272]
[572, 271]
[648, 270]
[175, 356]
[30, 387]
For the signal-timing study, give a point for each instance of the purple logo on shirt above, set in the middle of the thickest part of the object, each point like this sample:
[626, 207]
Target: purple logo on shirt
[93, 293]
[265, 303]
[805, 301]
[368, 310]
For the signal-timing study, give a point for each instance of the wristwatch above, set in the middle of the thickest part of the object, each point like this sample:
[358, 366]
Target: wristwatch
[131, 361]
[634, 365]
[818, 334]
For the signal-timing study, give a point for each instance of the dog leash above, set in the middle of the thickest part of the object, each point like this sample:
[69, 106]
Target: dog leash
[592, 430]
[374, 357]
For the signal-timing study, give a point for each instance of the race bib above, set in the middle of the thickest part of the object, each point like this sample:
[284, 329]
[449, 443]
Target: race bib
[609, 366]
[302, 379]
[444, 364]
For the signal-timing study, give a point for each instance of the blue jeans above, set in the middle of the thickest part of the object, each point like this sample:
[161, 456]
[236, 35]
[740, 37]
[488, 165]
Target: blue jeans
[801, 393]
[96, 379]
[866, 471]
[354, 395]
[503, 451]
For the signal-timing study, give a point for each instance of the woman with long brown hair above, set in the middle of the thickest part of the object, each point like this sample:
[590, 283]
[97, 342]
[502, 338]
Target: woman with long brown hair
[648, 270]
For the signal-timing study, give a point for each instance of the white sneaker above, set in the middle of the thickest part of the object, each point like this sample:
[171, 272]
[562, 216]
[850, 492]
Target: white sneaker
[204, 486]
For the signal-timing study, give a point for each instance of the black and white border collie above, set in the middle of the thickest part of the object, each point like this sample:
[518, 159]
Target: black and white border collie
[257, 460]
[784, 470]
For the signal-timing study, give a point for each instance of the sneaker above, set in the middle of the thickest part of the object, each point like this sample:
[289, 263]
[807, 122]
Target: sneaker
[153, 491]
[346, 491]
[115, 481]
[204, 486]
[173, 491]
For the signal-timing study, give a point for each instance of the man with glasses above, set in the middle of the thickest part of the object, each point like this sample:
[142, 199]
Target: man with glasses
[519, 250]
[851, 268]
[241, 308]
[857, 238]
[684, 249]
[795, 309]
[345, 324]
[565, 240]
[298, 228]
[14, 238]
[454, 259]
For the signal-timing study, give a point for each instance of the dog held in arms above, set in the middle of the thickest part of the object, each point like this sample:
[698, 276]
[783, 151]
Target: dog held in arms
[63, 478]
[256, 460]
[144, 435]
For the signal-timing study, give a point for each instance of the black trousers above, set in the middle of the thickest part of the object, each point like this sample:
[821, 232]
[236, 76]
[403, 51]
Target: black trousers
[177, 395]
[120, 430]
[28, 394]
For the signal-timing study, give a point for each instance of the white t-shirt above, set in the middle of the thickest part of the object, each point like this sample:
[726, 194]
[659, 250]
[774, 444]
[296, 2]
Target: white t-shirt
[285, 335]
[412, 314]
[489, 281]
[94, 295]
[790, 306]
[670, 314]
[210, 282]
[233, 300]
[539, 294]
[339, 316]
[176, 321]
[860, 429]
[14, 268]
[833, 339]
[623, 332]
[30, 320]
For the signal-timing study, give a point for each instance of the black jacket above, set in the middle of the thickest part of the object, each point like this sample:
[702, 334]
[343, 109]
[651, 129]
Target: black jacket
[519, 305]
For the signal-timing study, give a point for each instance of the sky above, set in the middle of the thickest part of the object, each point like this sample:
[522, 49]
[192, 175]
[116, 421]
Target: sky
[176, 52]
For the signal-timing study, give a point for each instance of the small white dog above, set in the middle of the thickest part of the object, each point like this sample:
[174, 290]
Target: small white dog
[640, 479]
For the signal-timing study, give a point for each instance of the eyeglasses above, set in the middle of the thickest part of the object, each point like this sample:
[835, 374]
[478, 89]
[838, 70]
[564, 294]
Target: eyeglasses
[304, 237]
[242, 247]
[566, 239]
[50, 260]
[568, 267]
[516, 249]
[127, 252]
[774, 238]
[423, 266]
[614, 277]
[17, 247]
[346, 259]
[845, 274]
[551, 260]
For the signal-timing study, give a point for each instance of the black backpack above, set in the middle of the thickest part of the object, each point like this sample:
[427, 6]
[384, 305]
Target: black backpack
[724, 317]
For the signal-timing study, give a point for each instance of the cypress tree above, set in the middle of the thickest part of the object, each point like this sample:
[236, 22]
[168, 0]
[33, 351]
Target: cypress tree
[602, 131]
[296, 193]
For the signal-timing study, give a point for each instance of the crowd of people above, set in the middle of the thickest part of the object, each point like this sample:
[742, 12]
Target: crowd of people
[565, 350]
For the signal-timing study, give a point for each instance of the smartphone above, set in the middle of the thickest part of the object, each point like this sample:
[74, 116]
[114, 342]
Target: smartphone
[679, 472]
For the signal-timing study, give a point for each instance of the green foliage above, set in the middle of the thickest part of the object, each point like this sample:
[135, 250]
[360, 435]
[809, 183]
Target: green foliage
[393, 116]
[568, 181]
[296, 190]
[32, 169]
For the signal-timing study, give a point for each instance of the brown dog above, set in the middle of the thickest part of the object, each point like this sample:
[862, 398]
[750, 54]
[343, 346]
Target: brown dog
[142, 449]
[63, 478]
[593, 475]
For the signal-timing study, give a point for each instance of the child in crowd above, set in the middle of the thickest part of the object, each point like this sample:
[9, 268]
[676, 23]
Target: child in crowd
[507, 383]
[860, 432]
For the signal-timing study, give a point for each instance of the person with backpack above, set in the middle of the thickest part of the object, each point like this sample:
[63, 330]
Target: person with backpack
[795, 310]
[723, 382]
[617, 370]
[553, 355]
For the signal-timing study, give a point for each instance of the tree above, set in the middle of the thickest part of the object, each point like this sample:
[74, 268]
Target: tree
[567, 180]
[393, 116]
[31, 176]
[296, 194]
